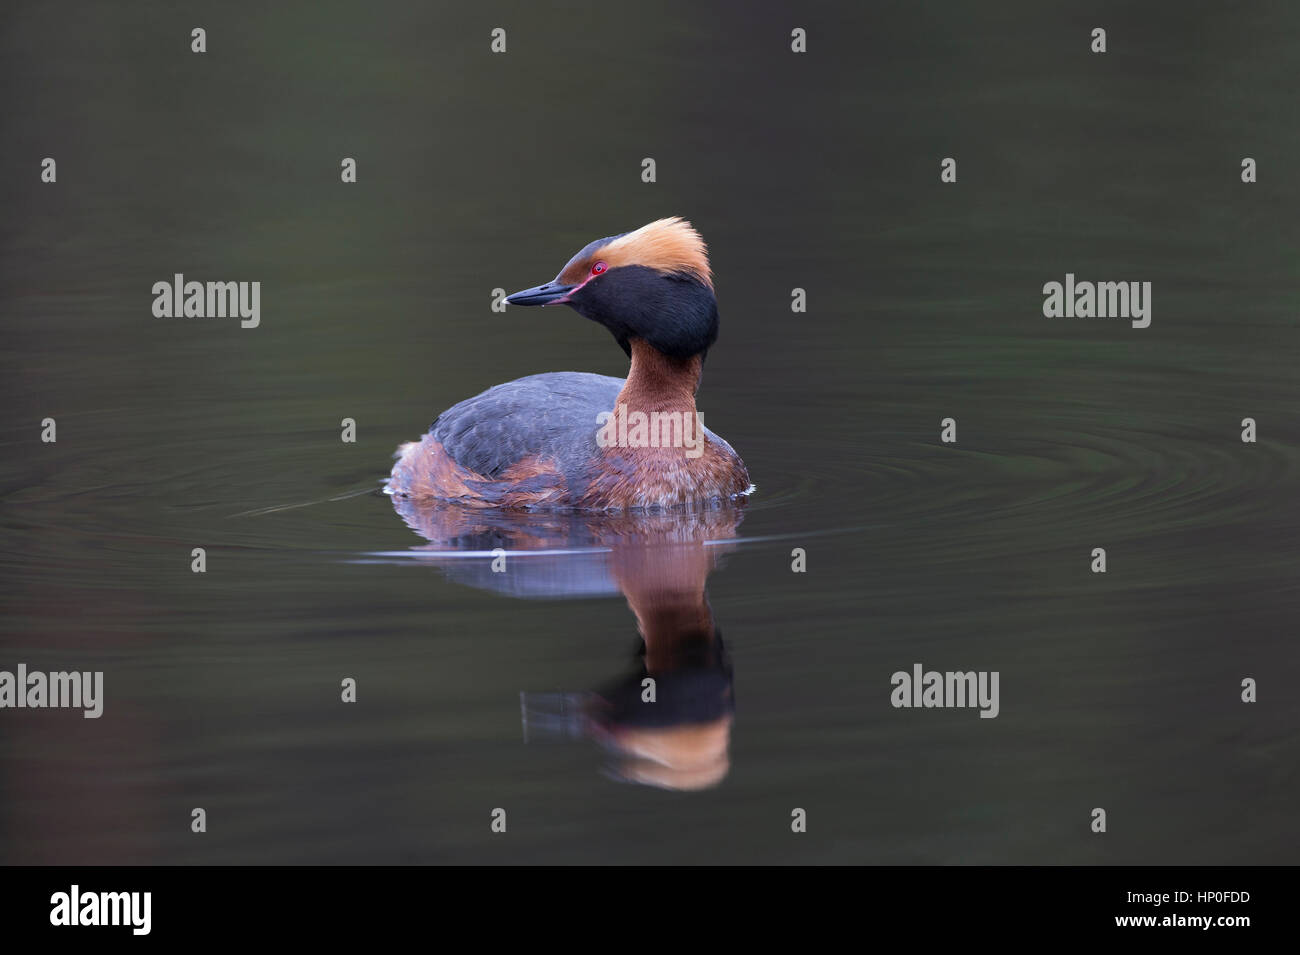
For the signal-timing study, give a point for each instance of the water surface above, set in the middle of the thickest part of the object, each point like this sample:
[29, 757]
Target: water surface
[820, 172]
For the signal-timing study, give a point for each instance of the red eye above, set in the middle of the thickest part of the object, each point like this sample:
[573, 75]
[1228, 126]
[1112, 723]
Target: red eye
[598, 268]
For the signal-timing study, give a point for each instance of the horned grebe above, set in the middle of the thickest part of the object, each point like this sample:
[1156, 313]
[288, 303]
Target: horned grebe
[577, 440]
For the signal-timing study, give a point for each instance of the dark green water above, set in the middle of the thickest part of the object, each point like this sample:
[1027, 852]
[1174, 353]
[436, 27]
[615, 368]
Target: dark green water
[821, 171]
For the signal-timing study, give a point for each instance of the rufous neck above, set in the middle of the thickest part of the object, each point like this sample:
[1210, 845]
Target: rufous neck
[657, 382]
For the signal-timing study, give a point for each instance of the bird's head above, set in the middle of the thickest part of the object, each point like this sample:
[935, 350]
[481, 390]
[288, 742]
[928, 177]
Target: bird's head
[653, 284]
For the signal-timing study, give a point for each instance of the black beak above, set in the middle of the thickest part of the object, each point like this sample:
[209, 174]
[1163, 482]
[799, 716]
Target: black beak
[548, 294]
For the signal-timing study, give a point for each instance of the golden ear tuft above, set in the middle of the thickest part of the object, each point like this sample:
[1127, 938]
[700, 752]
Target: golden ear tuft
[669, 245]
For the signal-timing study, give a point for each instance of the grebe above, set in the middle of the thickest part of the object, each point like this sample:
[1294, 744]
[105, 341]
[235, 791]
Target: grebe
[577, 440]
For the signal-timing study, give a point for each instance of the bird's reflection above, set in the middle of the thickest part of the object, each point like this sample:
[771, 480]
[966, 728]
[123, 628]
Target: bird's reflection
[667, 721]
